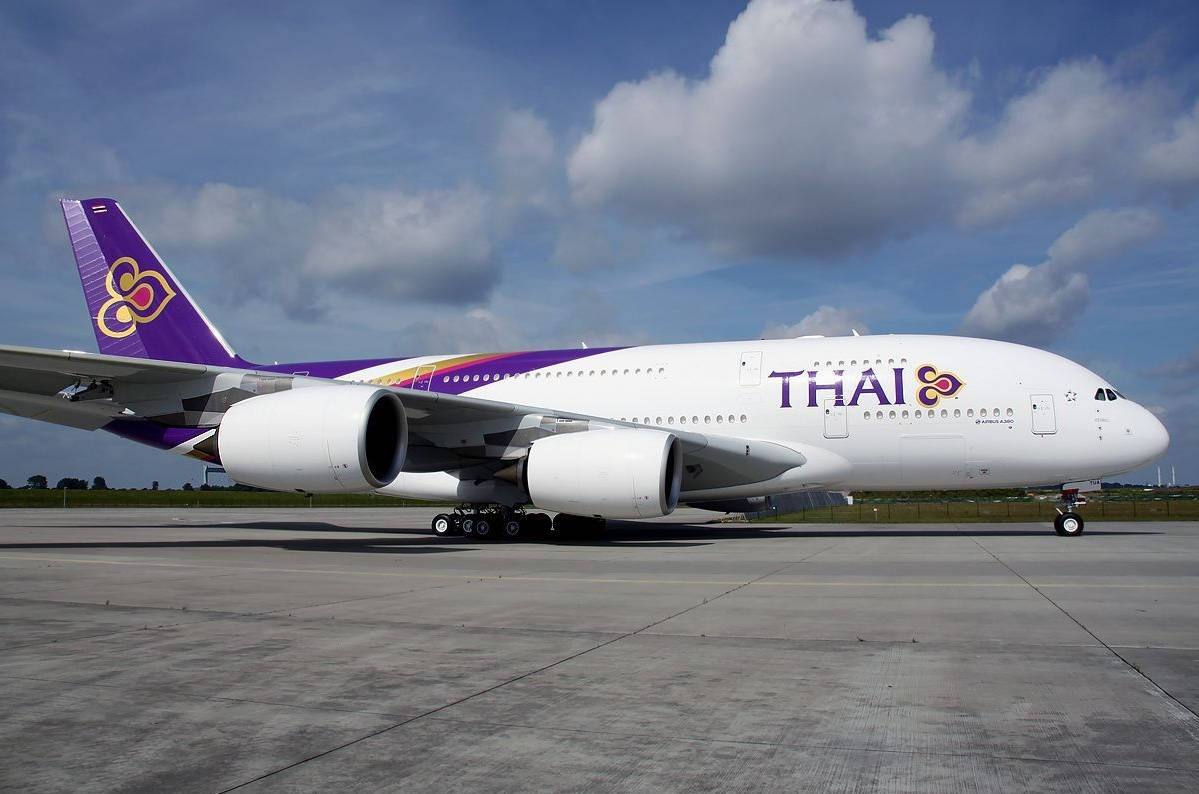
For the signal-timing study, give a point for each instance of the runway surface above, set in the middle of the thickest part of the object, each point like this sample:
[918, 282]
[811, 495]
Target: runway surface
[265, 650]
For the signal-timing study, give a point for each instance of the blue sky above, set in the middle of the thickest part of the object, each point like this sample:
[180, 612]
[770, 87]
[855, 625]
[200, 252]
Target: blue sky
[335, 181]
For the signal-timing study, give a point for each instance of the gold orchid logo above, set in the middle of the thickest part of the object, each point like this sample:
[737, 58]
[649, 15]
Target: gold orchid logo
[136, 296]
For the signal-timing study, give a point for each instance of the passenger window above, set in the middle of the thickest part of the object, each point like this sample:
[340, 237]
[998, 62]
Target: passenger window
[1099, 395]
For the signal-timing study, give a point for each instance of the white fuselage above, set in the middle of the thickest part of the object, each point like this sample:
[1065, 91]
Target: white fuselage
[906, 412]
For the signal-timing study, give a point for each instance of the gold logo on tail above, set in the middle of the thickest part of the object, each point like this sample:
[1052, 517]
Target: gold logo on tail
[136, 296]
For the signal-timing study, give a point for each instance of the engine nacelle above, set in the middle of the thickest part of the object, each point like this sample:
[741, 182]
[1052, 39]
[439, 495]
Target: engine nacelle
[625, 473]
[319, 439]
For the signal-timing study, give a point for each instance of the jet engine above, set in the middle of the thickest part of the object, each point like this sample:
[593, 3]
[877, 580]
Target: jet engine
[625, 473]
[319, 439]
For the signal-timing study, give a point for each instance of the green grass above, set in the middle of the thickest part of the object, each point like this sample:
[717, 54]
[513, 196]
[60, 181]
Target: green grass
[123, 498]
[1003, 511]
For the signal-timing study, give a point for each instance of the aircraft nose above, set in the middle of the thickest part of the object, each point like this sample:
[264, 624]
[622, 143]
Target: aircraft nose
[1150, 436]
[1157, 436]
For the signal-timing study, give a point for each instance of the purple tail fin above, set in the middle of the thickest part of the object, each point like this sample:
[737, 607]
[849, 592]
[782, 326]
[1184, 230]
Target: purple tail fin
[138, 308]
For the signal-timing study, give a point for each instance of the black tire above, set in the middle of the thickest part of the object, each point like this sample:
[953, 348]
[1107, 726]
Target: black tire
[467, 525]
[443, 525]
[483, 528]
[512, 528]
[1069, 524]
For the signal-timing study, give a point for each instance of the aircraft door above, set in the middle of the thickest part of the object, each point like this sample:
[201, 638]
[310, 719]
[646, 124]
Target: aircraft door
[751, 369]
[835, 419]
[1044, 420]
[424, 377]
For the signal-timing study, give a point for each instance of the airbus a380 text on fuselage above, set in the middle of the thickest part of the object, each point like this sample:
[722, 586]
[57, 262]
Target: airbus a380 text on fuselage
[622, 432]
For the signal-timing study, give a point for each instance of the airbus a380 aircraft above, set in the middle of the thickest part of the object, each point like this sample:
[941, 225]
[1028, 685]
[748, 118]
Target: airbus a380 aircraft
[591, 433]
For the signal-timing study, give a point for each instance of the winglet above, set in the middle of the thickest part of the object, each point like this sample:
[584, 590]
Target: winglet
[137, 306]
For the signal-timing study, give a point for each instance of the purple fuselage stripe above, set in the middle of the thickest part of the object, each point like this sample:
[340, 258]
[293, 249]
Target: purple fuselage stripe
[497, 367]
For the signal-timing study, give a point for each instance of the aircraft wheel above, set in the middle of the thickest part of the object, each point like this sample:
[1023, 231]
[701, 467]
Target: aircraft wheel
[483, 528]
[443, 525]
[1069, 524]
[512, 529]
[468, 526]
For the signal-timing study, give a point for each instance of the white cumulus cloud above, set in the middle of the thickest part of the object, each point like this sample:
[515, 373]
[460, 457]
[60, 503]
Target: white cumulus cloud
[392, 244]
[812, 137]
[1036, 305]
[825, 321]
[808, 136]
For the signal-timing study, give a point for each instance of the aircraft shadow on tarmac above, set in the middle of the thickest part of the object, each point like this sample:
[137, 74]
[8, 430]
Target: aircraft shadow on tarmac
[617, 533]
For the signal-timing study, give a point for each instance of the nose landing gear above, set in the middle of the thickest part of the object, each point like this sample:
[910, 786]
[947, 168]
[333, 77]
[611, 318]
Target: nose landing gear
[1067, 522]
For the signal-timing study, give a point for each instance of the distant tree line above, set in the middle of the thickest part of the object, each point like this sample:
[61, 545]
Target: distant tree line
[39, 482]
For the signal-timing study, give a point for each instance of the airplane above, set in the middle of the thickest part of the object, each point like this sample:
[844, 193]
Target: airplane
[588, 433]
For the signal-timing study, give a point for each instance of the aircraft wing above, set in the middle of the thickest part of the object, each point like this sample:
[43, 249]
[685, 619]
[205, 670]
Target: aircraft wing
[436, 423]
[33, 380]
[447, 432]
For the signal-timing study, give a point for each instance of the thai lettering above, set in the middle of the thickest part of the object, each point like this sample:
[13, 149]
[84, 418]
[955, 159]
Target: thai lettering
[869, 388]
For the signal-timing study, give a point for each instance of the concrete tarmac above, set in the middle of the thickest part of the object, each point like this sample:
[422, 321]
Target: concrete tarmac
[270, 650]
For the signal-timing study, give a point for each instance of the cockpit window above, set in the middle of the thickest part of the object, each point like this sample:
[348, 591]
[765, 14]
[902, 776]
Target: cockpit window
[1111, 395]
[1099, 395]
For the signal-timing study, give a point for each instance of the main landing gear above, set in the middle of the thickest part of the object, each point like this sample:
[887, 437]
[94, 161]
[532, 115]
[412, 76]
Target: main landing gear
[499, 522]
[1067, 522]
[488, 522]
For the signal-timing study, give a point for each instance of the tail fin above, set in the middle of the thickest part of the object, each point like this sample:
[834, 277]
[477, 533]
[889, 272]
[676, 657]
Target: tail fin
[138, 308]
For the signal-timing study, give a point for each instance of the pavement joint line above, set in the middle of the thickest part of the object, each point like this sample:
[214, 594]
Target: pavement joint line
[199, 697]
[1161, 690]
[512, 680]
[472, 578]
[827, 747]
